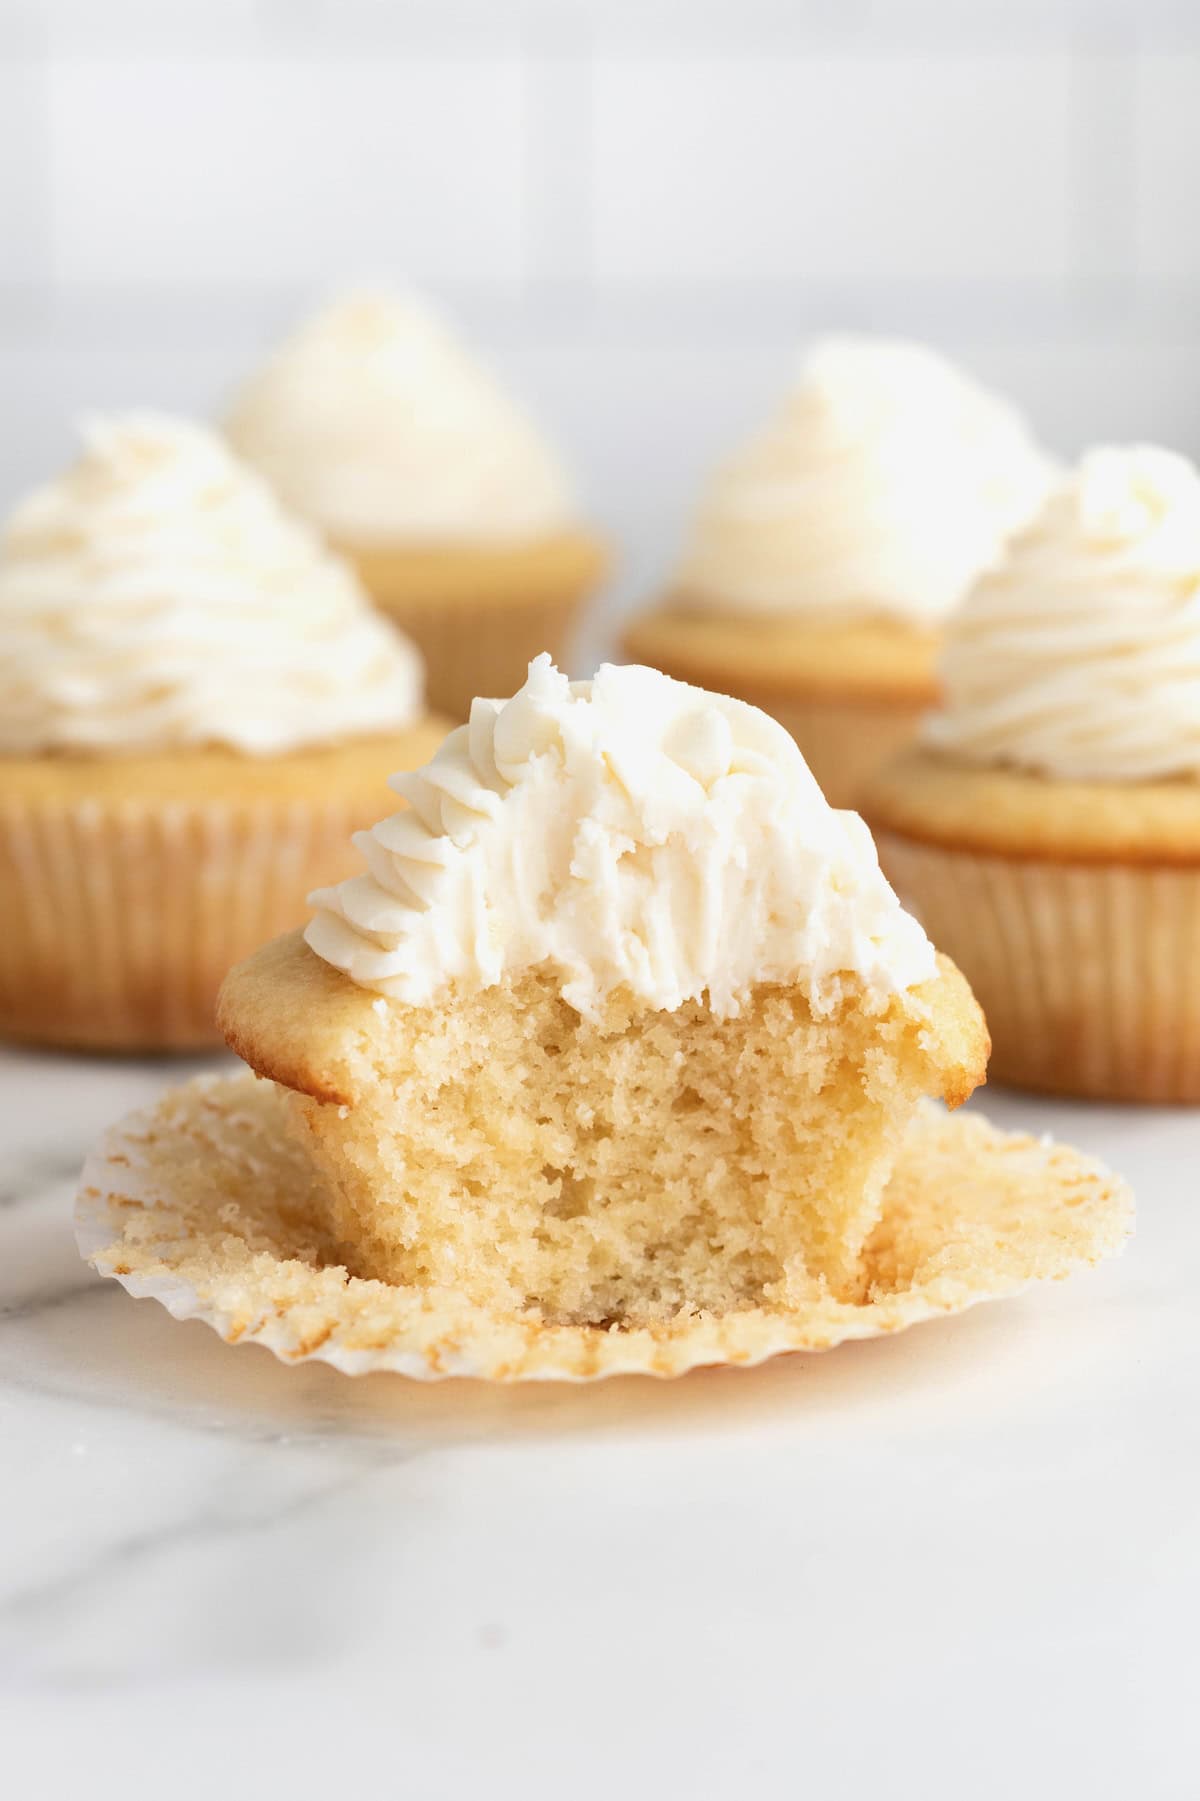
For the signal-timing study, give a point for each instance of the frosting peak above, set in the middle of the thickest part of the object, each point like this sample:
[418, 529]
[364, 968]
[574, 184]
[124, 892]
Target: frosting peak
[888, 481]
[1079, 656]
[630, 832]
[155, 596]
[372, 420]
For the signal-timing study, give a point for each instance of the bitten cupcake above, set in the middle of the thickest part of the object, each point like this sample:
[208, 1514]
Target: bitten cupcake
[1047, 828]
[830, 550]
[612, 1058]
[374, 424]
[197, 702]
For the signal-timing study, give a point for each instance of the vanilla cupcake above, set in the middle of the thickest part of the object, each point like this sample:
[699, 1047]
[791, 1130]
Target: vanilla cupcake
[612, 1058]
[830, 550]
[1047, 827]
[373, 423]
[197, 704]
[511, 1039]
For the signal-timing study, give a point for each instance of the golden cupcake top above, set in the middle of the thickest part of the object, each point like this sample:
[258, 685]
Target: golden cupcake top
[156, 597]
[629, 832]
[1078, 657]
[883, 487]
[373, 421]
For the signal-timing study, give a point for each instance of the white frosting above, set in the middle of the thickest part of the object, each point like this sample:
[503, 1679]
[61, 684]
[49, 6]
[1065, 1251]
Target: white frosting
[373, 421]
[1080, 656]
[156, 597]
[883, 488]
[629, 832]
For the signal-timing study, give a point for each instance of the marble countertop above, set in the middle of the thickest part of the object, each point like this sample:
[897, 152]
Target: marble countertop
[962, 1563]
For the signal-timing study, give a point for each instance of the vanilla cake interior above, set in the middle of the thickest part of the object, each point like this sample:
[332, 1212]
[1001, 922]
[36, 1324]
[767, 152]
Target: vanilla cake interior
[601, 1171]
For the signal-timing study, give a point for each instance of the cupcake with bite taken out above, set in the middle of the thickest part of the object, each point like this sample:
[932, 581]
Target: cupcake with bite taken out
[1047, 826]
[197, 704]
[830, 550]
[612, 1058]
[510, 1039]
[373, 423]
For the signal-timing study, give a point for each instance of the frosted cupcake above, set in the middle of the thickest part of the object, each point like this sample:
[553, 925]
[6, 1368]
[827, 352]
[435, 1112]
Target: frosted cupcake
[510, 1039]
[1048, 825]
[197, 703]
[829, 552]
[612, 1058]
[591, 884]
[373, 423]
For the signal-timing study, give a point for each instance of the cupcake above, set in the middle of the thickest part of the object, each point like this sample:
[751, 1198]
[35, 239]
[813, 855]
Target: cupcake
[612, 1058]
[594, 890]
[197, 704]
[830, 550]
[1047, 826]
[374, 424]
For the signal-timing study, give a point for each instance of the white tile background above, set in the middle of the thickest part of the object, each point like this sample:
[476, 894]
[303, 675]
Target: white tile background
[639, 207]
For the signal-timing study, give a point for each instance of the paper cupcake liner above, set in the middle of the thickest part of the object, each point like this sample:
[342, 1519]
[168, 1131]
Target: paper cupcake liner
[1085, 972]
[207, 1204]
[121, 919]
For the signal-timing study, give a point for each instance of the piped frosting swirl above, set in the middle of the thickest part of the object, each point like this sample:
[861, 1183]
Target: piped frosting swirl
[373, 421]
[157, 597]
[887, 482]
[1079, 657]
[629, 832]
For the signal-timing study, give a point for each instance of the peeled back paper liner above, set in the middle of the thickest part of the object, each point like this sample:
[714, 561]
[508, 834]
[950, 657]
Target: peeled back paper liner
[207, 1204]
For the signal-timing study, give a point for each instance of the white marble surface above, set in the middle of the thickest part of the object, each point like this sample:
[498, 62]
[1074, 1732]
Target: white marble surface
[965, 1563]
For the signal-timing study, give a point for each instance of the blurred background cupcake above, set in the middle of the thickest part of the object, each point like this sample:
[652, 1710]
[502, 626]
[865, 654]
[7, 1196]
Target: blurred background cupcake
[373, 423]
[640, 276]
[829, 551]
[1047, 827]
[197, 701]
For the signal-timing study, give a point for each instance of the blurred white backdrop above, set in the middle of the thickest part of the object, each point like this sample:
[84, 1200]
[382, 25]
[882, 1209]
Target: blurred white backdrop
[639, 209]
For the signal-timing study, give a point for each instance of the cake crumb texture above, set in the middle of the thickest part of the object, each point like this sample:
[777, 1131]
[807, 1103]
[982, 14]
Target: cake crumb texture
[606, 1170]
